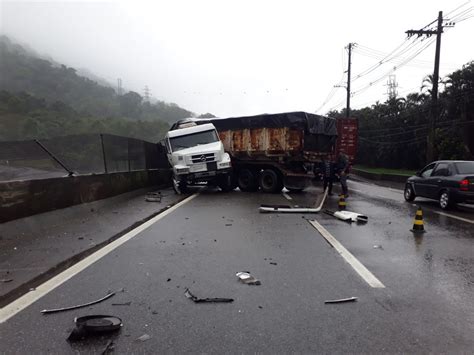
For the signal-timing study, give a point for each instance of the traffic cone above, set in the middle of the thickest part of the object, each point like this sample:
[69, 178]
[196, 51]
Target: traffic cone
[418, 222]
[342, 202]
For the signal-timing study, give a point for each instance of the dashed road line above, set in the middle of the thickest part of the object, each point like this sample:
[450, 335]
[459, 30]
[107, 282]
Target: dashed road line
[29, 298]
[351, 259]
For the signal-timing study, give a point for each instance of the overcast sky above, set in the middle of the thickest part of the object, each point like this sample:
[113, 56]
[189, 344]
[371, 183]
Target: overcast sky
[244, 57]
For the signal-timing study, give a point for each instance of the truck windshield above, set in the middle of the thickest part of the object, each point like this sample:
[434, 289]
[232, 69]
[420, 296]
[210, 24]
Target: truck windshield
[465, 167]
[192, 140]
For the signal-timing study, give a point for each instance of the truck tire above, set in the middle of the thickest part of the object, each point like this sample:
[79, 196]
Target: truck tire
[247, 180]
[226, 183]
[180, 187]
[270, 181]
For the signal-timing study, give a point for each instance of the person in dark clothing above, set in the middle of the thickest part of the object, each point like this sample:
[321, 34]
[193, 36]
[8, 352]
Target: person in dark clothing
[342, 171]
[326, 170]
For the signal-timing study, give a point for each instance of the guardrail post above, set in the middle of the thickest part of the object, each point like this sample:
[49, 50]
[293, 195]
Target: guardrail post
[103, 153]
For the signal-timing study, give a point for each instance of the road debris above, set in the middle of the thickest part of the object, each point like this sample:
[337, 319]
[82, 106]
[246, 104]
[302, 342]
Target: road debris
[273, 263]
[109, 347]
[94, 325]
[6, 280]
[46, 311]
[342, 300]
[153, 196]
[378, 247]
[248, 279]
[189, 295]
[122, 304]
[296, 209]
[144, 337]
[348, 216]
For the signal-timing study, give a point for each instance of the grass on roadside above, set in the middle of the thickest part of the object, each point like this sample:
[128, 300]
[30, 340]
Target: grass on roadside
[403, 172]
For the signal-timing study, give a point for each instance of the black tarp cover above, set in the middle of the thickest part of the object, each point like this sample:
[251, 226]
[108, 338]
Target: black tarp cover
[310, 123]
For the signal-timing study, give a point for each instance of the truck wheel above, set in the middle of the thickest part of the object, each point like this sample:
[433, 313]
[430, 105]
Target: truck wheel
[225, 183]
[180, 187]
[247, 180]
[270, 181]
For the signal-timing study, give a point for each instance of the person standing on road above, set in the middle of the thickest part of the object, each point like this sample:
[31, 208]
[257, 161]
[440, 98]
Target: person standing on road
[326, 170]
[342, 172]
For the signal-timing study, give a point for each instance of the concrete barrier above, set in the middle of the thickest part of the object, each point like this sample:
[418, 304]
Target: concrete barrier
[25, 198]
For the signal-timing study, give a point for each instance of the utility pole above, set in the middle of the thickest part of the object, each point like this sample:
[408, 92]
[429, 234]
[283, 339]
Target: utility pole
[430, 153]
[392, 87]
[348, 87]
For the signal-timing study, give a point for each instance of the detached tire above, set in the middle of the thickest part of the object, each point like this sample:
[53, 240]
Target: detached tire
[409, 194]
[247, 181]
[270, 181]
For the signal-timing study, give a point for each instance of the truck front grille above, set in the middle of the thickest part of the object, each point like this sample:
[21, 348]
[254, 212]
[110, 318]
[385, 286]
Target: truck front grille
[203, 158]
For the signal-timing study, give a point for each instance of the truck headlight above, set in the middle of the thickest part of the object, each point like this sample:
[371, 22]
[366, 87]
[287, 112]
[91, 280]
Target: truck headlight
[226, 164]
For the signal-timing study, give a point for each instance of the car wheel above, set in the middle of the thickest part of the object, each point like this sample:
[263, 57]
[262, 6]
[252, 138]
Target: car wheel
[247, 180]
[409, 194]
[444, 200]
[270, 181]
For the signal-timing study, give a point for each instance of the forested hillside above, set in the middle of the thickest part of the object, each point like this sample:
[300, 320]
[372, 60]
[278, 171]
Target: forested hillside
[40, 98]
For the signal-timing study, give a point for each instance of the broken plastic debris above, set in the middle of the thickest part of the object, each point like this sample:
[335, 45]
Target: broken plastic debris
[348, 216]
[273, 263]
[342, 300]
[378, 247]
[189, 295]
[46, 311]
[153, 196]
[144, 337]
[248, 279]
[6, 280]
[94, 325]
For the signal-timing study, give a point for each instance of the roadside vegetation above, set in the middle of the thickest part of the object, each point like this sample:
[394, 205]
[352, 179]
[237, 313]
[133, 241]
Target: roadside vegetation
[393, 134]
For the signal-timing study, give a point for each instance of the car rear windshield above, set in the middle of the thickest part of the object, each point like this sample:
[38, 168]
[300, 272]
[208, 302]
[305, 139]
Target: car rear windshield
[465, 167]
[192, 140]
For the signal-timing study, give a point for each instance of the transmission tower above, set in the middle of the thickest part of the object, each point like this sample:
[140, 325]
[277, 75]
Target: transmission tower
[119, 87]
[146, 94]
[392, 87]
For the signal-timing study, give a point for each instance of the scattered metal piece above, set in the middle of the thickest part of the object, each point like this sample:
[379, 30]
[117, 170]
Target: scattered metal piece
[189, 295]
[248, 279]
[273, 263]
[122, 304]
[109, 347]
[144, 337]
[153, 196]
[296, 209]
[342, 300]
[228, 224]
[94, 325]
[6, 280]
[378, 247]
[46, 311]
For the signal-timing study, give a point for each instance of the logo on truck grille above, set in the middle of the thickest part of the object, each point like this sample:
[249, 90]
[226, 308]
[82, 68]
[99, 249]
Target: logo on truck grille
[203, 158]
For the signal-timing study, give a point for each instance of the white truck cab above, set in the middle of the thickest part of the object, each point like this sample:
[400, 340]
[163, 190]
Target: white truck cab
[197, 155]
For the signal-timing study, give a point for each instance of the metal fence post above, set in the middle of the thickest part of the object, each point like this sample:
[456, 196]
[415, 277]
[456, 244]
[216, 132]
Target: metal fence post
[103, 152]
[70, 172]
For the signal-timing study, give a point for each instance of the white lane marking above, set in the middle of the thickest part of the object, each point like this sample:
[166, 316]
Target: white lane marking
[287, 196]
[396, 190]
[29, 298]
[359, 191]
[453, 216]
[351, 259]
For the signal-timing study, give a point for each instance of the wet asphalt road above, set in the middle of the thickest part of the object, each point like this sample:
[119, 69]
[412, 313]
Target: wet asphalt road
[427, 305]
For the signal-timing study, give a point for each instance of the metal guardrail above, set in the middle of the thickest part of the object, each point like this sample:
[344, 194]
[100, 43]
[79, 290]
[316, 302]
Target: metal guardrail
[83, 154]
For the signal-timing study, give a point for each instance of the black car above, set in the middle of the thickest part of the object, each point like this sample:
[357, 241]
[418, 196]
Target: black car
[448, 181]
